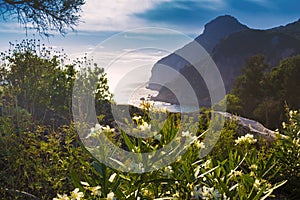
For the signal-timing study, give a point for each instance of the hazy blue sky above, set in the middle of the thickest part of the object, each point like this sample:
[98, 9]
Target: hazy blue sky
[104, 18]
[128, 57]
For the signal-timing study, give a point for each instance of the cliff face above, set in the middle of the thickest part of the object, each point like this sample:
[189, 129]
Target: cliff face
[230, 54]
[229, 43]
[215, 31]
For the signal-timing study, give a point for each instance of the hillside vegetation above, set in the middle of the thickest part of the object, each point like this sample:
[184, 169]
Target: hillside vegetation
[42, 157]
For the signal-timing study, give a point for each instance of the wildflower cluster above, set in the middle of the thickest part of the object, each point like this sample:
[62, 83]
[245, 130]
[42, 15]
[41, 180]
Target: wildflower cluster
[142, 125]
[74, 195]
[206, 193]
[234, 174]
[247, 139]
[98, 129]
[95, 191]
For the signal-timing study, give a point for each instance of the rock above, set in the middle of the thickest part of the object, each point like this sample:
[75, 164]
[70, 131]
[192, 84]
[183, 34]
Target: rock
[251, 126]
[215, 31]
[229, 43]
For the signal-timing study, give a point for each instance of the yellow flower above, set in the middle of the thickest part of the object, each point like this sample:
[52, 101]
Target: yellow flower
[253, 167]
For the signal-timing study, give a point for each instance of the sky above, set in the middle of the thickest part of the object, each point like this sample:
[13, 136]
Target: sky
[117, 32]
[103, 18]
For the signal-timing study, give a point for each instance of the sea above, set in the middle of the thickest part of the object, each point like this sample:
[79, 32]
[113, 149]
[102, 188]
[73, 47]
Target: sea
[138, 92]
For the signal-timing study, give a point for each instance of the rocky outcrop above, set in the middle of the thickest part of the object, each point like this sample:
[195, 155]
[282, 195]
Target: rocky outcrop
[219, 29]
[245, 126]
[215, 31]
[229, 43]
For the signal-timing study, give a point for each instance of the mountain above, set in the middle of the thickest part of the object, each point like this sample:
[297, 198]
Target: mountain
[215, 31]
[229, 43]
[292, 29]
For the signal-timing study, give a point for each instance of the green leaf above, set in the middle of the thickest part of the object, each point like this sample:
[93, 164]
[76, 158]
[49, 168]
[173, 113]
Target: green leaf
[127, 140]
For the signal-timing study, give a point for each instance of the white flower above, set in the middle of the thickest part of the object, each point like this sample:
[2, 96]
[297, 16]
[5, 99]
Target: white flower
[197, 171]
[176, 195]
[292, 113]
[235, 174]
[94, 131]
[84, 183]
[112, 177]
[97, 127]
[199, 145]
[95, 191]
[206, 193]
[207, 164]
[110, 196]
[168, 171]
[253, 167]
[76, 195]
[189, 136]
[283, 125]
[186, 134]
[136, 118]
[248, 139]
[107, 129]
[145, 127]
[256, 184]
[62, 197]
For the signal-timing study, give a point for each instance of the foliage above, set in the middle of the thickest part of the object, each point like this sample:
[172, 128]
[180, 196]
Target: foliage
[38, 79]
[44, 162]
[37, 160]
[262, 94]
[238, 170]
[287, 151]
[43, 15]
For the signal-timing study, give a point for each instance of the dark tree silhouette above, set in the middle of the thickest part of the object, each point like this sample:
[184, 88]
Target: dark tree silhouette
[43, 15]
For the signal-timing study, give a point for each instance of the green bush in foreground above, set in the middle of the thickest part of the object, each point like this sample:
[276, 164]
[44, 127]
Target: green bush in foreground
[287, 152]
[243, 169]
[38, 161]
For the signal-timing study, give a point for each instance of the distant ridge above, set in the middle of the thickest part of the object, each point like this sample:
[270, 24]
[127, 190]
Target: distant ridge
[229, 43]
[217, 30]
[292, 29]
